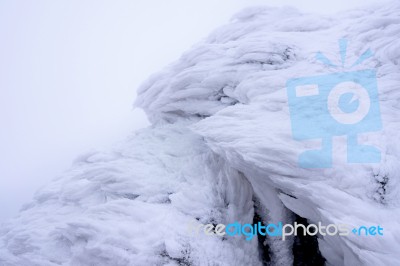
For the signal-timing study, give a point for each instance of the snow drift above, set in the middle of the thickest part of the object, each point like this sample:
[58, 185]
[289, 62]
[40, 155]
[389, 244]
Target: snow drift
[220, 150]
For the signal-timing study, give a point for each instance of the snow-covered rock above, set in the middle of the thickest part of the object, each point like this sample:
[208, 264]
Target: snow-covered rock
[221, 150]
[134, 206]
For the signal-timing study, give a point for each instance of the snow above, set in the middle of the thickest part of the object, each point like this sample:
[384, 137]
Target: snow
[132, 206]
[221, 148]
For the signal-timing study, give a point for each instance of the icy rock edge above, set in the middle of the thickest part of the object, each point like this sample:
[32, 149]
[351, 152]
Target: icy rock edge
[220, 150]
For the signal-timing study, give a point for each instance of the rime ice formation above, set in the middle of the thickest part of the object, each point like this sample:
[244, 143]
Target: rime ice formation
[132, 206]
[221, 150]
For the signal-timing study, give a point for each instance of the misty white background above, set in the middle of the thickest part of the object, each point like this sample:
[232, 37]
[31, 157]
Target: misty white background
[69, 71]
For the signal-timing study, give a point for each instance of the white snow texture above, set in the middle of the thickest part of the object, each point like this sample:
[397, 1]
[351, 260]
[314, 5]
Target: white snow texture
[220, 149]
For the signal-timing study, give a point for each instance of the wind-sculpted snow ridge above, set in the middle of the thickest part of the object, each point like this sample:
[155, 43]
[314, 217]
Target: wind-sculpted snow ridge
[221, 150]
[236, 80]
